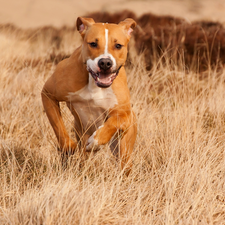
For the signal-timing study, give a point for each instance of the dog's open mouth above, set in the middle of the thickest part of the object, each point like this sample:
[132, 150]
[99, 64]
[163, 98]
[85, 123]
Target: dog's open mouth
[104, 80]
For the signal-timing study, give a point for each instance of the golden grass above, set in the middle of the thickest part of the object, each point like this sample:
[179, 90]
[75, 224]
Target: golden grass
[178, 174]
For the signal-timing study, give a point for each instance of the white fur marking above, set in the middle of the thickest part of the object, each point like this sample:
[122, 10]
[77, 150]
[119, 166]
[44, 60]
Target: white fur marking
[103, 97]
[93, 63]
[92, 143]
[106, 41]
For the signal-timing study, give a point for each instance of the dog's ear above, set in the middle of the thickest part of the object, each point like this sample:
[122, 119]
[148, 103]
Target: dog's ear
[128, 26]
[83, 24]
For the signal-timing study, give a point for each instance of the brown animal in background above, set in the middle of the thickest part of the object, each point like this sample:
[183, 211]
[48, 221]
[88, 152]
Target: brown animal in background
[92, 81]
[107, 17]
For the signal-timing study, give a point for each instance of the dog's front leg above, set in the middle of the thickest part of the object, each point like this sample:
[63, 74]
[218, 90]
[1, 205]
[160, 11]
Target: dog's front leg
[52, 108]
[105, 132]
[126, 124]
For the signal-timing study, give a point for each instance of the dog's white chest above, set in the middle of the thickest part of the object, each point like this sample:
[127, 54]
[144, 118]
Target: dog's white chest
[92, 103]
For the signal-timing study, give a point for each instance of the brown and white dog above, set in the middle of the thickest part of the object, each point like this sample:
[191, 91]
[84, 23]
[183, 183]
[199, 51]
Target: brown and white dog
[93, 84]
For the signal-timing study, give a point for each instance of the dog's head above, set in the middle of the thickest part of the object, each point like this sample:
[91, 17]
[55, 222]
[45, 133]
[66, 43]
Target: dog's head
[104, 48]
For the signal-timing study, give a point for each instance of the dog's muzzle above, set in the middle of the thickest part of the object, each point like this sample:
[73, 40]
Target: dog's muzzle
[103, 78]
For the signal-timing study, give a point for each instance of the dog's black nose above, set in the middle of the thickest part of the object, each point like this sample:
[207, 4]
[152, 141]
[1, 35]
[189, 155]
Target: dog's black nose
[105, 63]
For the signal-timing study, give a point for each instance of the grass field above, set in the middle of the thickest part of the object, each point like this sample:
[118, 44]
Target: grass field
[178, 175]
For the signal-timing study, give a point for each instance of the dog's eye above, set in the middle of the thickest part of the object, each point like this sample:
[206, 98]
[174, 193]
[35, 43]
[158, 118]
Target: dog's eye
[93, 44]
[118, 46]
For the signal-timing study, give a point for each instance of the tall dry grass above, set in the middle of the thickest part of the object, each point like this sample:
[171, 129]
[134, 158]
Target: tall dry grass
[179, 161]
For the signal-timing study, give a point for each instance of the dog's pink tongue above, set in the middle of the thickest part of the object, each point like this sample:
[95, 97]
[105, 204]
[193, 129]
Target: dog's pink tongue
[104, 80]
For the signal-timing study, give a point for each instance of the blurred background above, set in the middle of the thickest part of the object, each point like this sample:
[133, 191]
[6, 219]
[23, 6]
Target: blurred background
[36, 13]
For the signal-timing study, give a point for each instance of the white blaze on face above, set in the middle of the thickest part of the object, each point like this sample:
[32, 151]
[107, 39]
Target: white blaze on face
[106, 41]
[93, 63]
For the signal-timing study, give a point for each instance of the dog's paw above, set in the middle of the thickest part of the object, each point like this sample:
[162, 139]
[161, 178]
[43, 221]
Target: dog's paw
[92, 143]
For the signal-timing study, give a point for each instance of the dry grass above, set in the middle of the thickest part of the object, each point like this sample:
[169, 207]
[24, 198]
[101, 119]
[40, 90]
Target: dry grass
[178, 175]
